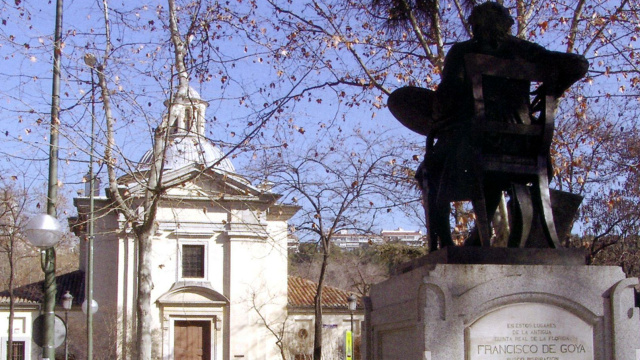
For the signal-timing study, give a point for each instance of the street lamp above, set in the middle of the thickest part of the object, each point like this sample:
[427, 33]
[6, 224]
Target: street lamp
[353, 303]
[91, 61]
[94, 307]
[44, 231]
[93, 310]
[67, 301]
[52, 235]
[89, 313]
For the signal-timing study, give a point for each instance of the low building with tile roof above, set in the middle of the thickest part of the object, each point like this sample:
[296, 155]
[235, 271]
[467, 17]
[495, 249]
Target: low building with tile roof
[336, 319]
[25, 311]
[27, 305]
[72, 282]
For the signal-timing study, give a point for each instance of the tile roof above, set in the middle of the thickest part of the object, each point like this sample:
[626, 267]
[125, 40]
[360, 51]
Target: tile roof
[4, 300]
[302, 291]
[32, 293]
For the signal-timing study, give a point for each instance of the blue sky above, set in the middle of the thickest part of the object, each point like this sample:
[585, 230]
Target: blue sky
[26, 92]
[138, 71]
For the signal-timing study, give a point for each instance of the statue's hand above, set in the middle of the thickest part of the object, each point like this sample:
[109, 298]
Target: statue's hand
[538, 104]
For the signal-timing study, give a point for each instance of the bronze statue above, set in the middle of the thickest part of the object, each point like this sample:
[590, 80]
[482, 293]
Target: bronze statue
[446, 116]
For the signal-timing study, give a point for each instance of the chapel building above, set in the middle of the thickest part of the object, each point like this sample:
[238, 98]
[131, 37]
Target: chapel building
[219, 257]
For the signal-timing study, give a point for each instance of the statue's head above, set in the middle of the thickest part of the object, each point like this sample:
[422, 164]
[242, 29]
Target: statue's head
[490, 21]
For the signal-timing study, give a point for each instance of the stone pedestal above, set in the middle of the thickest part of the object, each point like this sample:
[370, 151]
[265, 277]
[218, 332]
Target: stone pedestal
[503, 304]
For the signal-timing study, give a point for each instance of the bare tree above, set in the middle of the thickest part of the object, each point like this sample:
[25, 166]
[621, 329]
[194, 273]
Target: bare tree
[353, 270]
[144, 225]
[307, 68]
[338, 189]
[12, 244]
[140, 209]
[276, 327]
[402, 42]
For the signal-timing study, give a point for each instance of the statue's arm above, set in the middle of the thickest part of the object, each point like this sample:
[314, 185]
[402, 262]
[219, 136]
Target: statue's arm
[564, 69]
[569, 69]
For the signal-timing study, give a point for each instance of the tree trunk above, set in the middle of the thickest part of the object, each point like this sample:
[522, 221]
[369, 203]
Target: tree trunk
[144, 233]
[317, 337]
[146, 227]
[143, 301]
[11, 301]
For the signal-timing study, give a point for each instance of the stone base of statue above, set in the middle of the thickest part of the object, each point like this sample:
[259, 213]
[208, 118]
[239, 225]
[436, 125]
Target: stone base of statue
[465, 303]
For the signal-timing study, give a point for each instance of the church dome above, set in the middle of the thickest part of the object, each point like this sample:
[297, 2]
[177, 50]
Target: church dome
[185, 122]
[188, 150]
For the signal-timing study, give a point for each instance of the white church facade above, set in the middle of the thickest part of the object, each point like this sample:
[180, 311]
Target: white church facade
[219, 257]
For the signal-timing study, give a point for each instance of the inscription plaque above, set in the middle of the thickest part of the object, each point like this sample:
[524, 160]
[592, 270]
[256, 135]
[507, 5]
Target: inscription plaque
[529, 331]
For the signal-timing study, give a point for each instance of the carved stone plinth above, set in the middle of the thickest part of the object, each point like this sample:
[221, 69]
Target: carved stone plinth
[495, 304]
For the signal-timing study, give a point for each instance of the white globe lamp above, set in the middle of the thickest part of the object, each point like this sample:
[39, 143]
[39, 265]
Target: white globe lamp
[94, 306]
[43, 231]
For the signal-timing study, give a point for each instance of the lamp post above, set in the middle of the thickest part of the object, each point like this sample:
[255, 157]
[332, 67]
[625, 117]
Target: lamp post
[44, 231]
[353, 303]
[91, 61]
[67, 301]
[49, 228]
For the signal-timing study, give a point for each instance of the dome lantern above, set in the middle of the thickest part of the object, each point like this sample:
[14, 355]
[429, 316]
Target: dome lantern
[185, 120]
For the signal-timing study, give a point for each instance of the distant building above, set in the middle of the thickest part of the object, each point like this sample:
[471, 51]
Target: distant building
[293, 243]
[407, 237]
[347, 240]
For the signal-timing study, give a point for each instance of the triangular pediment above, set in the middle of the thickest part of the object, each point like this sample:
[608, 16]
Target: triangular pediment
[210, 184]
[191, 182]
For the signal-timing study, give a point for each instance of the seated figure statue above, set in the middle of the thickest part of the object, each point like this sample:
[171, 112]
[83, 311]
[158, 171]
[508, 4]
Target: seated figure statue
[446, 114]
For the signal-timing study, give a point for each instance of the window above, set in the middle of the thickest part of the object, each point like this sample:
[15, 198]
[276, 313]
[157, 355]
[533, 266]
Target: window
[18, 350]
[303, 334]
[193, 261]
